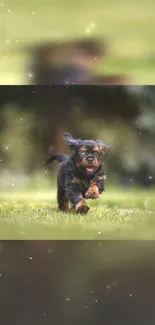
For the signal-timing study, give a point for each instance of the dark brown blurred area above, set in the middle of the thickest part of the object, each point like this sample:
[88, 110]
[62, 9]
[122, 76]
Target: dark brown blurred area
[73, 63]
[77, 282]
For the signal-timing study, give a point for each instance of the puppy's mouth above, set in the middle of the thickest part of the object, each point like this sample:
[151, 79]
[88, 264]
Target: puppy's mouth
[90, 169]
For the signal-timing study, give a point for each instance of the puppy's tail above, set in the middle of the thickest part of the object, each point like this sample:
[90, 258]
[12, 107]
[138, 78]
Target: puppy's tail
[59, 157]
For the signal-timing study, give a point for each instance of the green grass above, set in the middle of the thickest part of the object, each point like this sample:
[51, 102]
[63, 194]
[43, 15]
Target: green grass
[127, 25]
[124, 214]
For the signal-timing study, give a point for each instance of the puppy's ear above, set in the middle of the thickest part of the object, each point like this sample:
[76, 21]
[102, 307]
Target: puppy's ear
[67, 137]
[107, 148]
[72, 143]
[103, 146]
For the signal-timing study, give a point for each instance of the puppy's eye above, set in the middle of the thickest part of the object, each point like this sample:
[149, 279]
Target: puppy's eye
[82, 153]
[96, 154]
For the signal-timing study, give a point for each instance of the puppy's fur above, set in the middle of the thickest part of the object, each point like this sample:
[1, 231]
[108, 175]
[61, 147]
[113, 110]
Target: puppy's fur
[80, 176]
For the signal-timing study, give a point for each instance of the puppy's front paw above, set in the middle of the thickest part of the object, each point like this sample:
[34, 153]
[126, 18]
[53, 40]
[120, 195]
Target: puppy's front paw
[92, 193]
[82, 207]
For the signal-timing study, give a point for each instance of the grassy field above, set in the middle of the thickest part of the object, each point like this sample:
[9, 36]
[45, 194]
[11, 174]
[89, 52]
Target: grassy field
[120, 214]
[127, 25]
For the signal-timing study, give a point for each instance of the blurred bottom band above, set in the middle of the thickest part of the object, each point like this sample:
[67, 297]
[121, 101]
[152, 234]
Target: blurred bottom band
[90, 282]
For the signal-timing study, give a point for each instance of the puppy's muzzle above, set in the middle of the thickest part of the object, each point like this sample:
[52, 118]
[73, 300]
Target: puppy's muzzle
[90, 160]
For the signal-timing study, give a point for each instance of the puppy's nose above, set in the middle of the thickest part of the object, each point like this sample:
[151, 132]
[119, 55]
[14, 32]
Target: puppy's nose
[90, 159]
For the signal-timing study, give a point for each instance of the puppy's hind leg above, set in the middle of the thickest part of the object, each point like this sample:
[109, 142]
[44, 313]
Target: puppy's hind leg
[63, 202]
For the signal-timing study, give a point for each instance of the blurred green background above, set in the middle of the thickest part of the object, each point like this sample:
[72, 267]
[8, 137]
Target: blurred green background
[128, 27]
[33, 119]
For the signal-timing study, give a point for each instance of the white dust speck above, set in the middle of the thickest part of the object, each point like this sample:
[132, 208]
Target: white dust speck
[68, 299]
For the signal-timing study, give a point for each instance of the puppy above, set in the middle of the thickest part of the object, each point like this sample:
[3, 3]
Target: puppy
[80, 176]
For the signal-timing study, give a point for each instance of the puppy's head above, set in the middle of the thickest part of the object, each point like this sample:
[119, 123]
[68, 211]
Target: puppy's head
[88, 154]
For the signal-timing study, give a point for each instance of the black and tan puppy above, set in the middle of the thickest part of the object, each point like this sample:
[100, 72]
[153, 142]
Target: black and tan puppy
[80, 176]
